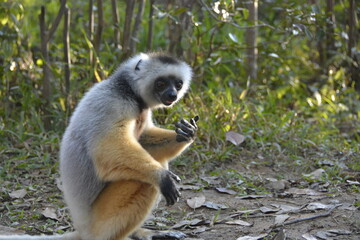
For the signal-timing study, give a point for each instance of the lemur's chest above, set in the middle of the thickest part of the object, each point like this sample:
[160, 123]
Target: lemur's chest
[140, 123]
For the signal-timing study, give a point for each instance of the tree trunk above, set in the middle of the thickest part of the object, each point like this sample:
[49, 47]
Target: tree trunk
[46, 86]
[130, 4]
[91, 31]
[115, 15]
[330, 26]
[100, 26]
[354, 66]
[46, 36]
[66, 42]
[139, 15]
[250, 39]
[178, 30]
[151, 26]
[352, 28]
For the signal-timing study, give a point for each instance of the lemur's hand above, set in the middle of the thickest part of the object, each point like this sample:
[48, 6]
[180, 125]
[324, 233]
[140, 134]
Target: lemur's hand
[168, 188]
[186, 130]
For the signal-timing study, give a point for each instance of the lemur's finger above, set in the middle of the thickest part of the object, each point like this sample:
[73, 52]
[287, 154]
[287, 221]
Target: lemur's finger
[186, 124]
[185, 127]
[193, 123]
[175, 177]
[182, 133]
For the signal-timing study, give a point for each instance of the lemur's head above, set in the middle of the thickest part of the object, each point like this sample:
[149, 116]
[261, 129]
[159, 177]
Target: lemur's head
[160, 80]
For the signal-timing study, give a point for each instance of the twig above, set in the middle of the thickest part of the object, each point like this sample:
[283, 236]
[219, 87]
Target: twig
[150, 26]
[57, 20]
[231, 23]
[325, 214]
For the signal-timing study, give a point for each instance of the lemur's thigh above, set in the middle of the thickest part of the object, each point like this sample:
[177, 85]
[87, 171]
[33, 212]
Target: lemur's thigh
[121, 208]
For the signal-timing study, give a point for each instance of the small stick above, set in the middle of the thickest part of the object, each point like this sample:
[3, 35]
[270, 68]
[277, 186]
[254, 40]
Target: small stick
[325, 214]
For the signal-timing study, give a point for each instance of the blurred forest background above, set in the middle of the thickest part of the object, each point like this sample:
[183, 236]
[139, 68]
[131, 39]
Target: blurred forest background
[276, 82]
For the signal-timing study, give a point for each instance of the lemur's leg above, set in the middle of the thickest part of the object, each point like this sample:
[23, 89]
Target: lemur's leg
[121, 208]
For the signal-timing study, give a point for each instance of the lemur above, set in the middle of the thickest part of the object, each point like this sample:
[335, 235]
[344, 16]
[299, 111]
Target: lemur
[113, 159]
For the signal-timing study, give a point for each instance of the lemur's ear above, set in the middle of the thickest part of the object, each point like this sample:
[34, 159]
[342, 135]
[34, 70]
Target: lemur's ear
[137, 65]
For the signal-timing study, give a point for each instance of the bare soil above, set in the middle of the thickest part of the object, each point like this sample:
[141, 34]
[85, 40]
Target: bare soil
[323, 210]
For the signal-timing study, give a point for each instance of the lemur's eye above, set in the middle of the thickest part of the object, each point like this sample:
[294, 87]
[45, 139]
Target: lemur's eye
[178, 85]
[160, 84]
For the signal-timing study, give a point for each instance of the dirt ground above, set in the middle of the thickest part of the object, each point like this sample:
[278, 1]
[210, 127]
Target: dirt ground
[316, 211]
[345, 218]
[289, 209]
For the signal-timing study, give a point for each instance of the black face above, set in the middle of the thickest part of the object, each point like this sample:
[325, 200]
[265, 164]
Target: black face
[166, 89]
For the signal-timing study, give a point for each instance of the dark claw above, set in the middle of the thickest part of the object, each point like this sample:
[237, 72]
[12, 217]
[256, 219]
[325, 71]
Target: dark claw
[193, 121]
[175, 177]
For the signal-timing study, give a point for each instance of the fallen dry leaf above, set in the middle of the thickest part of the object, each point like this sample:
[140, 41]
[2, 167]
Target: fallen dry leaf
[50, 212]
[234, 137]
[252, 238]
[214, 206]
[279, 219]
[353, 182]
[199, 230]
[318, 206]
[169, 235]
[211, 180]
[269, 210]
[315, 174]
[188, 187]
[239, 222]
[278, 185]
[308, 236]
[10, 231]
[304, 191]
[225, 190]
[196, 202]
[286, 208]
[330, 234]
[193, 222]
[252, 196]
[18, 193]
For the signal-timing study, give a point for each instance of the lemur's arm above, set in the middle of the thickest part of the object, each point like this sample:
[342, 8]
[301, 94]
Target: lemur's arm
[165, 144]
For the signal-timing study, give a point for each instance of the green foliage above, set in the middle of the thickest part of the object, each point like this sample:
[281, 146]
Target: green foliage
[298, 107]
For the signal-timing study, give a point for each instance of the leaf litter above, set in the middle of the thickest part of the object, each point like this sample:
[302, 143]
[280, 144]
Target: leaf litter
[218, 212]
[247, 216]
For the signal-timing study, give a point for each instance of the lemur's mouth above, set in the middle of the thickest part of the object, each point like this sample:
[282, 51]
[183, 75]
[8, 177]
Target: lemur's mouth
[168, 102]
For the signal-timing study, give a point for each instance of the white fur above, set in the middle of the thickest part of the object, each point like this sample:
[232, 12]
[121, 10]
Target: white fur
[150, 69]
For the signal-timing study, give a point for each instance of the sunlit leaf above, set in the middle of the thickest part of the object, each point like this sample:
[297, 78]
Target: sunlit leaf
[62, 104]
[50, 212]
[97, 76]
[18, 193]
[4, 20]
[233, 38]
[39, 62]
[274, 55]
[196, 202]
[234, 137]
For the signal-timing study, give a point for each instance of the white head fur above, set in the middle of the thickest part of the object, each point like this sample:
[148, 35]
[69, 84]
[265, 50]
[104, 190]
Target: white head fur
[143, 69]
